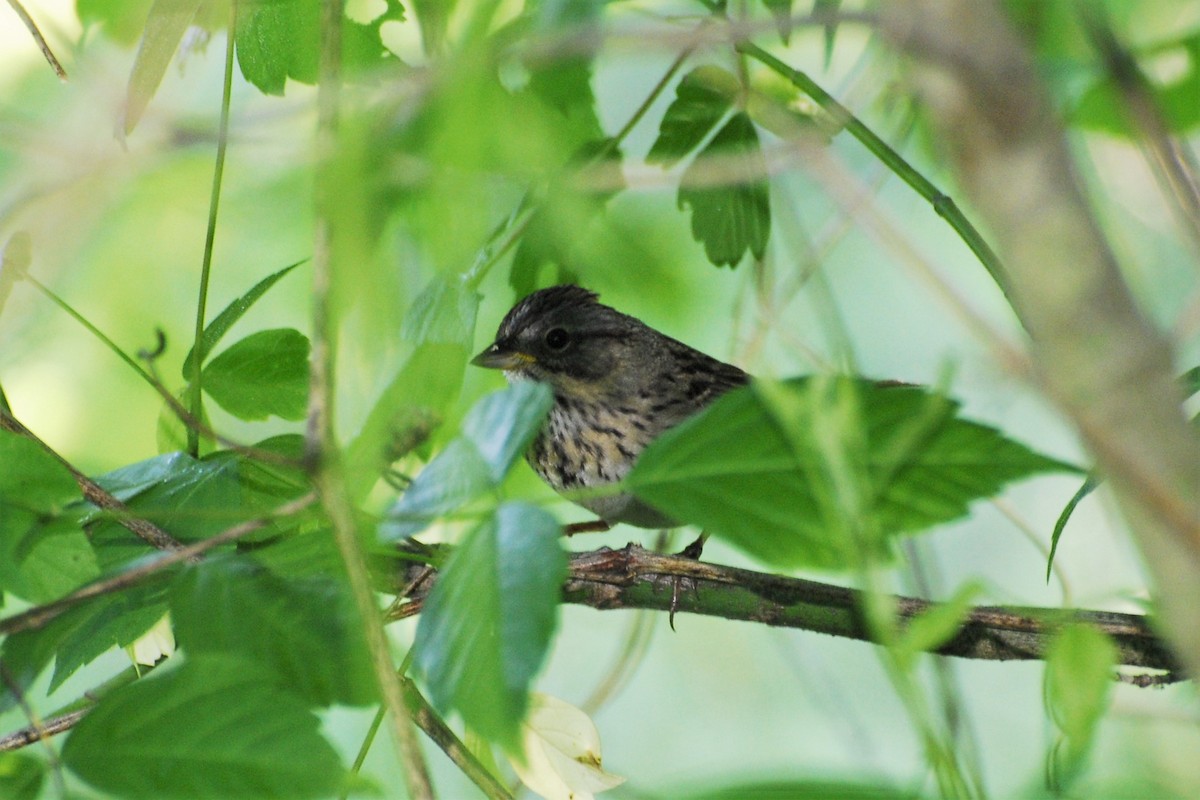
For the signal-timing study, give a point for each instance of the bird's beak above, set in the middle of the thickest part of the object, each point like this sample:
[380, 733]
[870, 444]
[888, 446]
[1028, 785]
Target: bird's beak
[499, 357]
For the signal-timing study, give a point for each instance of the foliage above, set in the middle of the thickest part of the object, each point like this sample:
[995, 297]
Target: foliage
[464, 150]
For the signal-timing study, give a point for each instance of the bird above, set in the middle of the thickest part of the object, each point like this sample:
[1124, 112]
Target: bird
[618, 384]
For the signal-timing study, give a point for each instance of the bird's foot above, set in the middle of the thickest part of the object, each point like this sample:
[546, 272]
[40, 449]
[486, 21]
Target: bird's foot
[693, 552]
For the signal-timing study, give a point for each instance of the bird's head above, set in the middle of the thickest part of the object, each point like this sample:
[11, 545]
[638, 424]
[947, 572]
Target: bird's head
[563, 336]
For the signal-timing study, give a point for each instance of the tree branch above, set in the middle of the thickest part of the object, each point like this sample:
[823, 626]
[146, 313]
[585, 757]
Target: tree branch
[633, 577]
[1098, 356]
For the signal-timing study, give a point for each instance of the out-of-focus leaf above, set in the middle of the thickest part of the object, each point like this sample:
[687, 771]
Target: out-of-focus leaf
[303, 634]
[702, 99]
[830, 28]
[496, 432]
[266, 373]
[21, 776]
[487, 623]
[279, 39]
[561, 752]
[122, 20]
[215, 330]
[734, 471]
[165, 26]
[1079, 670]
[503, 423]
[1103, 107]
[23, 655]
[734, 215]
[213, 728]
[32, 479]
[802, 790]
[444, 312]
[453, 478]
[14, 261]
[781, 11]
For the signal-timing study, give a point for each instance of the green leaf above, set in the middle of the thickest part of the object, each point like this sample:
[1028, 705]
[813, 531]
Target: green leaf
[702, 99]
[122, 20]
[829, 7]
[487, 624]
[233, 312]
[52, 557]
[113, 621]
[24, 654]
[503, 423]
[165, 26]
[452, 479]
[734, 471]
[278, 40]
[266, 373]
[734, 217]
[190, 499]
[1078, 682]
[1089, 485]
[781, 11]
[43, 552]
[213, 728]
[444, 312]
[303, 634]
[496, 432]
[32, 479]
[21, 776]
[1103, 107]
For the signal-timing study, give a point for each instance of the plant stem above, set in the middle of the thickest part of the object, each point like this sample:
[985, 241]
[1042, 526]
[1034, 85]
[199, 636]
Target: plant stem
[943, 204]
[214, 202]
[321, 452]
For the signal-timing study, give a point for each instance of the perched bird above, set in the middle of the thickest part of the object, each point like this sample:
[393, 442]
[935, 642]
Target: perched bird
[618, 384]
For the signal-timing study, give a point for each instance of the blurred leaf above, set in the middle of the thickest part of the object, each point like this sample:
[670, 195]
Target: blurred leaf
[266, 373]
[23, 655]
[565, 85]
[702, 99]
[560, 749]
[444, 312]
[122, 20]
[937, 625]
[1089, 486]
[781, 11]
[453, 478]
[433, 16]
[1102, 105]
[733, 471]
[1078, 682]
[830, 7]
[21, 776]
[411, 406]
[495, 433]
[165, 26]
[487, 624]
[503, 423]
[279, 39]
[116, 620]
[733, 217]
[215, 330]
[302, 634]
[14, 261]
[213, 728]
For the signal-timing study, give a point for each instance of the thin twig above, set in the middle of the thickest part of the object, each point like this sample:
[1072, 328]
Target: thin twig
[38, 616]
[441, 735]
[42, 44]
[97, 495]
[321, 453]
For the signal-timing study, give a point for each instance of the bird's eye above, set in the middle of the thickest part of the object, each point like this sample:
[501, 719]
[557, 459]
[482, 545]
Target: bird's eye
[557, 338]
